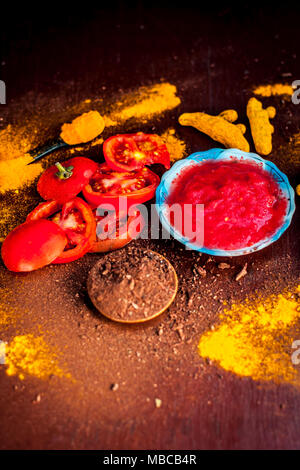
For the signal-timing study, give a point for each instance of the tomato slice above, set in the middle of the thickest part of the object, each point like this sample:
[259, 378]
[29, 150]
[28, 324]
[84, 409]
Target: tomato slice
[33, 245]
[107, 186]
[76, 220]
[127, 152]
[62, 182]
[119, 230]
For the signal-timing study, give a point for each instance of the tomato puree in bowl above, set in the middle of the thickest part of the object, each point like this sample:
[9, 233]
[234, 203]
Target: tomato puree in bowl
[243, 204]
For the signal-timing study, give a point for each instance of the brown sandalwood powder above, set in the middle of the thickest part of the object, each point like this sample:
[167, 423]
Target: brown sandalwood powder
[254, 339]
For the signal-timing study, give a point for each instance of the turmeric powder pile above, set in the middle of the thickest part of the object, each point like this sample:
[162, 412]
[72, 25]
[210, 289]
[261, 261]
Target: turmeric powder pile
[254, 338]
[145, 102]
[31, 355]
[274, 90]
[83, 129]
[14, 157]
[175, 146]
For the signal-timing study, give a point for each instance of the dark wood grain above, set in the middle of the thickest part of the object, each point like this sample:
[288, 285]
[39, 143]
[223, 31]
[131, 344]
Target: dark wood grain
[214, 57]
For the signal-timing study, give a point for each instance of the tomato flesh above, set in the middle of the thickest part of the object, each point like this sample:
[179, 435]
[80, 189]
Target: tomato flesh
[118, 229]
[128, 152]
[107, 186]
[33, 245]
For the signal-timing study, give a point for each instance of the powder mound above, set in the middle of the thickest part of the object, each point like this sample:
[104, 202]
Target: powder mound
[145, 102]
[16, 173]
[31, 355]
[277, 89]
[254, 339]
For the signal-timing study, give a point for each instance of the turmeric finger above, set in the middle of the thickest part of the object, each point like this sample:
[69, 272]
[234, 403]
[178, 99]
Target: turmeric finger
[218, 128]
[260, 125]
[229, 115]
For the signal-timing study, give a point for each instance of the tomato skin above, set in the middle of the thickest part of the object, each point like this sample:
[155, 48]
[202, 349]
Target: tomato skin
[51, 187]
[33, 245]
[141, 149]
[109, 199]
[83, 248]
[49, 208]
[111, 244]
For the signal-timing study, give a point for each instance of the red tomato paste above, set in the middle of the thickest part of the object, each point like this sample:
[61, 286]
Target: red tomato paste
[243, 204]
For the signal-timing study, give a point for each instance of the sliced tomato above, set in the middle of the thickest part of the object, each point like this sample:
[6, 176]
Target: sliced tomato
[118, 230]
[63, 181]
[76, 220]
[33, 245]
[127, 152]
[107, 186]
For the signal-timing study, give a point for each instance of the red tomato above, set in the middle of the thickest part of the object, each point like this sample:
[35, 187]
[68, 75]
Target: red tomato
[76, 219]
[62, 182]
[127, 152]
[33, 245]
[106, 187]
[119, 229]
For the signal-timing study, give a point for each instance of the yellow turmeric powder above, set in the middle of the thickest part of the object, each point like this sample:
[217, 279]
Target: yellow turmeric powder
[274, 90]
[145, 102]
[31, 355]
[83, 129]
[254, 338]
[261, 128]
[298, 189]
[17, 173]
[219, 128]
[15, 143]
[175, 146]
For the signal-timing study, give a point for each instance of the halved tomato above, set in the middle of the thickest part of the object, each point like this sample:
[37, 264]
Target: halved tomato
[128, 152]
[33, 245]
[116, 230]
[107, 187]
[77, 221]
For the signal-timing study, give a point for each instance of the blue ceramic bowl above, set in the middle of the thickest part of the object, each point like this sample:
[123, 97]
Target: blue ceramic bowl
[166, 183]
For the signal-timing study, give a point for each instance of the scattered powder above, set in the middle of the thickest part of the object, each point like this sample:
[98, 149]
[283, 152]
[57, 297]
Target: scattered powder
[145, 102]
[31, 355]
[16, 173]
[274, 90]
[254, 339]
[288, 155]
[176, 146]
[8, 315]
[98, 141]
[14, 142]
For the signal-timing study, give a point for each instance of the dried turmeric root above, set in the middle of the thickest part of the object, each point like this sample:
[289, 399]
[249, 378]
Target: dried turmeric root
[83, 128]
[261, 128]
[219, 128]
[298, 189]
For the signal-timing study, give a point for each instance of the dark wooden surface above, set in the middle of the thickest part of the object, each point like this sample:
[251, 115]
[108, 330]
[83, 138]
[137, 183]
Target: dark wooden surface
[214, 57]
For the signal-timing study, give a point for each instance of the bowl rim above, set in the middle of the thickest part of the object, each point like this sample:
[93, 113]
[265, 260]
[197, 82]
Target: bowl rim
[226, 154]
